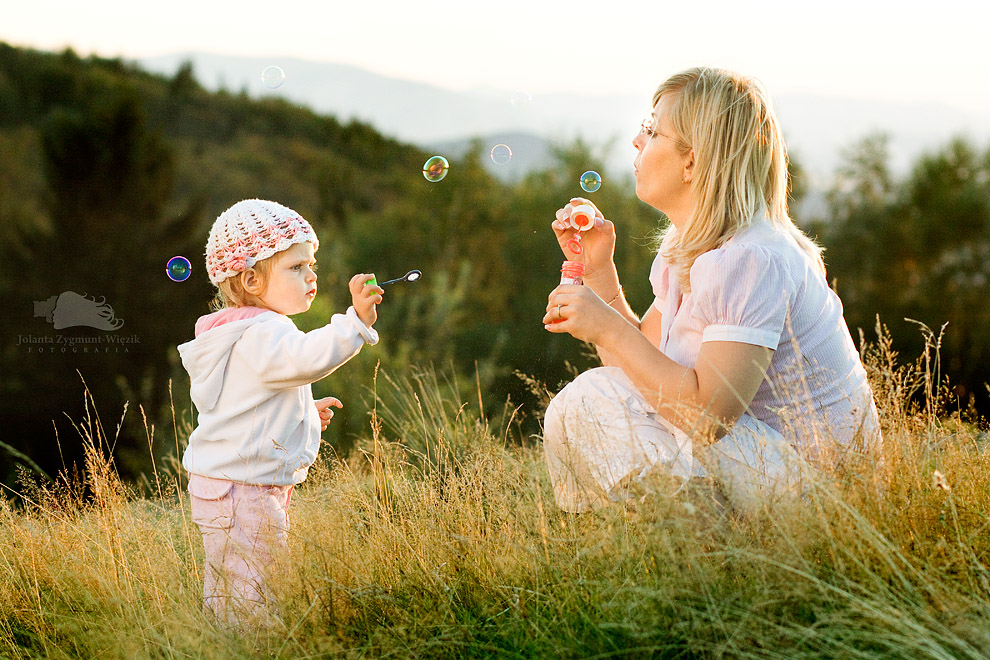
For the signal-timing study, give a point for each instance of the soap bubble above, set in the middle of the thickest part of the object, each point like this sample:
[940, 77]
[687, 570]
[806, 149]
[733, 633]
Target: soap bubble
[273, 77]
[501, 154]
[435, 169]
[521, 100]
[178, 269]
[591, 181]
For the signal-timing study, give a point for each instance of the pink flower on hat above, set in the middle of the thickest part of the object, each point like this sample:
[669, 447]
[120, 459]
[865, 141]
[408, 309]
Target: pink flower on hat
[250, 231]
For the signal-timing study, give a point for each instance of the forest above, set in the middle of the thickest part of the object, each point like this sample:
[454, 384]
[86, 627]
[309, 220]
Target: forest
[107, 172]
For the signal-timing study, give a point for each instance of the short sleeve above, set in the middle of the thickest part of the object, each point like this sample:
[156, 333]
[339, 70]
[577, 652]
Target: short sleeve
[741, 293]
[660, 280]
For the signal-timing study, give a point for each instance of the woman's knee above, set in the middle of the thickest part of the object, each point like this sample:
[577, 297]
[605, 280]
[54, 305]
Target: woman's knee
[754, 464]
[592, 391]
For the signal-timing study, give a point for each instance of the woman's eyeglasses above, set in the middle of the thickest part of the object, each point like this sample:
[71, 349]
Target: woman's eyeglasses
[648, 126]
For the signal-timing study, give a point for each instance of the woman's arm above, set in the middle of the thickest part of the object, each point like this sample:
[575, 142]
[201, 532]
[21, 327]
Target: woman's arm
[703, 401]
[708, 398]
[649, 326]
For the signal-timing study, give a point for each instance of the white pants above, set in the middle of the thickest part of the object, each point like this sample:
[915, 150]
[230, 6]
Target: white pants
[600, 434]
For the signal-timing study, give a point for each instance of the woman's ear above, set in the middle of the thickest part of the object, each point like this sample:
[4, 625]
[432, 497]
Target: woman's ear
[688, 167]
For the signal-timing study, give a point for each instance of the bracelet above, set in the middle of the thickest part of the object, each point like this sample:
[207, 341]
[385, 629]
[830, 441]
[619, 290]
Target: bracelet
[615, 297]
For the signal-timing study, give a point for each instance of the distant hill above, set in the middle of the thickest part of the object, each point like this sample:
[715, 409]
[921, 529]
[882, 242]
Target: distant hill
[817, 127]
[528, 153]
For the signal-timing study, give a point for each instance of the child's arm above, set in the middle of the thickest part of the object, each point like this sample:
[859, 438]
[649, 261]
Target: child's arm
[365, 297]
[282, 356]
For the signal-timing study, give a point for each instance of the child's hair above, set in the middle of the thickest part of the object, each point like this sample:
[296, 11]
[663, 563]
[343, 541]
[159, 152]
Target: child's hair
[740, 162]
[231, 291]
[249, 236]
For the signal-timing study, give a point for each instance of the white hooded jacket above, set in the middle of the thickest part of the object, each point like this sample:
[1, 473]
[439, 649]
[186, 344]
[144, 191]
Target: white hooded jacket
[251, 372]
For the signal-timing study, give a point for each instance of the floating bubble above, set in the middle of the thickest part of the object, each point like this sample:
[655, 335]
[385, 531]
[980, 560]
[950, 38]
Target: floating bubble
[273, 77]
[501, 154]
[521, 99]
[435, 169]
[178, 269]
[591, 181]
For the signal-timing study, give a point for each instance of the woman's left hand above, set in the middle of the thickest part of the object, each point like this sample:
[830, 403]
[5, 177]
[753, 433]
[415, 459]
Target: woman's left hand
[326, 414]
[597, 244]
[577, 310]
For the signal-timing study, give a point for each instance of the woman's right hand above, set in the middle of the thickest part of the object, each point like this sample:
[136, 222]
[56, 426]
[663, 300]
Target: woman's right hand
[598, 243]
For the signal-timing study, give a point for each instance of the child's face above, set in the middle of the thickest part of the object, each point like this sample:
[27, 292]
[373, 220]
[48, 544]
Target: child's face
[292, 283]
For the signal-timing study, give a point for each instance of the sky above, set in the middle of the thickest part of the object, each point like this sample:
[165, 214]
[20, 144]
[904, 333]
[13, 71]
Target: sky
[895, 51]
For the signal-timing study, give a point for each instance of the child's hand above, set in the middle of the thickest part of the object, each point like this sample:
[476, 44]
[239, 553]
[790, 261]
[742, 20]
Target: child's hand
[365, 297]
[323, 407]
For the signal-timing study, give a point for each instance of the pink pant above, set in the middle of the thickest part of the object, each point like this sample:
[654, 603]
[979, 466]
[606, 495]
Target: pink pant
[244, 527]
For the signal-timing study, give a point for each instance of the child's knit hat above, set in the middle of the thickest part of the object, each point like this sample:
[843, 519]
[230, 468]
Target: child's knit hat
[251, 231]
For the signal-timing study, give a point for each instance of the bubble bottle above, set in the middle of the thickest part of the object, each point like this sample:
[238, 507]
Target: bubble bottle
[571, 272]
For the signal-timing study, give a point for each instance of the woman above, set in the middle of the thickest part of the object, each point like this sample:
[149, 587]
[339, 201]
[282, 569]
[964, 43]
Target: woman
[743, 366]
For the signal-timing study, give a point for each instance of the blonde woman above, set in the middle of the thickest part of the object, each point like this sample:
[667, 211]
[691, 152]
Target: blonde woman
[743, 368]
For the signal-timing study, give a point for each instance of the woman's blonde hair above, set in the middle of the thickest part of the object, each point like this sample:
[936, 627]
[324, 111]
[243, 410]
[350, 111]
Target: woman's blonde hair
[740, 162]
[231, 291]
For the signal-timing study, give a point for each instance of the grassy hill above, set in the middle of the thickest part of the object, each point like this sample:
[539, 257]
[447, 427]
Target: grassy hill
[439, 539]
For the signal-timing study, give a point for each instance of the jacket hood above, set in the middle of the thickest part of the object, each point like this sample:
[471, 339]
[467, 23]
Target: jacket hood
[206, 356]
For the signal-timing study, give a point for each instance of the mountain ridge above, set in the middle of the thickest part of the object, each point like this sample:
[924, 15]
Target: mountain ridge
[818, 128]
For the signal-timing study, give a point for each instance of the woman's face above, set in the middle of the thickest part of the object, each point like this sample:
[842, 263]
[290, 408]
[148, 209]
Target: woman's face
[661, 168]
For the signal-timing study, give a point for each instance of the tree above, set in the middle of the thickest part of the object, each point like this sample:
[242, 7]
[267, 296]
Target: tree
[109, 178]
[917, 249]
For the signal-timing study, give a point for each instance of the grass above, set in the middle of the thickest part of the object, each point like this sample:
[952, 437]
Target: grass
[438, 537]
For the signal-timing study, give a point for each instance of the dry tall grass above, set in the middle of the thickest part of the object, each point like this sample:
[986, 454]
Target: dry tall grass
[439, 538]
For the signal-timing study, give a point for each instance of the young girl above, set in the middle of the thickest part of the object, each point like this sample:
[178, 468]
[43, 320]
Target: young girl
[743, 366]
[258, 428]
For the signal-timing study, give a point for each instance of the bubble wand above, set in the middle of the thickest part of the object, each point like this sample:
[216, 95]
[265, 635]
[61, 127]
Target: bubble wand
[411, 276]
[581, 219]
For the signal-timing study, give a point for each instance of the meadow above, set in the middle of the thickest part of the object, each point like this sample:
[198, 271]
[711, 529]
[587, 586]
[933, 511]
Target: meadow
[437, 536]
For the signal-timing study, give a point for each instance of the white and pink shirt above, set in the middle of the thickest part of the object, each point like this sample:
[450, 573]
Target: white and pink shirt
[251, 372]
[761, 288]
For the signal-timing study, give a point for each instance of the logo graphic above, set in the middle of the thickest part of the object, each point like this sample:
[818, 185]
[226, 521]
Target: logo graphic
[69, 309]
